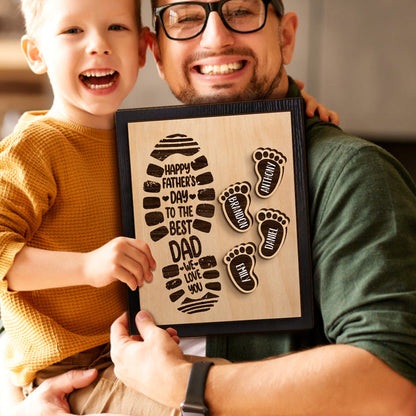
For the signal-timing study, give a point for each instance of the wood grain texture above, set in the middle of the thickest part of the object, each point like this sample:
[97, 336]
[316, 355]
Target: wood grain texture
[215, 198]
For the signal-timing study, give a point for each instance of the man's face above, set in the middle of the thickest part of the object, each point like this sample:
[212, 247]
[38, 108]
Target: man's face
[223, 66]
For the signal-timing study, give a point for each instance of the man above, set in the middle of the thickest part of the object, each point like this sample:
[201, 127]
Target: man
[360, 359]
[359, 201]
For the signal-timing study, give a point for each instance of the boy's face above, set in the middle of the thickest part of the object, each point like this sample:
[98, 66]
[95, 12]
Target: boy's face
[92, 51]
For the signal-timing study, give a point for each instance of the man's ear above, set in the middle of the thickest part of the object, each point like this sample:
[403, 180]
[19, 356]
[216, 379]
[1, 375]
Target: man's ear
[289, 24]
[153, 44]
[33, 56]
[143, 46]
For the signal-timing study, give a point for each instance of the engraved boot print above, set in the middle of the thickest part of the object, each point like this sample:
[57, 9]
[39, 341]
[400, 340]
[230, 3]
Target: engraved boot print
[179, 200]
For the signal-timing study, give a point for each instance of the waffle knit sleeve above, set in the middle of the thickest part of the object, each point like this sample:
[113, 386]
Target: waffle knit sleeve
[27, 190]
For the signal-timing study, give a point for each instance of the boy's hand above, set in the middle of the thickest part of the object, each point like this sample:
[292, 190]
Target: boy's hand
[125, 259]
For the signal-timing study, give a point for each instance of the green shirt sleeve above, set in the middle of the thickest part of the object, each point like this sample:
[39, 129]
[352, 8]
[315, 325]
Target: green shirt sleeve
[363, 222]
[362, 208]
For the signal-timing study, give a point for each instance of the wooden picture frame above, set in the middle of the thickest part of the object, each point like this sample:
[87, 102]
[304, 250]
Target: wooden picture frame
[219, 192]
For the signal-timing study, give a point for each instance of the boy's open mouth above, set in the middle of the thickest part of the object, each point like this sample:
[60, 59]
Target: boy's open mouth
[222, 69]
[99, 79]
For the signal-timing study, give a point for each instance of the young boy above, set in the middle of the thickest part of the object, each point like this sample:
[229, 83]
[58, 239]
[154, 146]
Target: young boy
[62, 263]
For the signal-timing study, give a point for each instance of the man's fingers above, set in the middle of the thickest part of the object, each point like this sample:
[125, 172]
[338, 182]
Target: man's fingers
[144, 323]
[119, 329]
[66, 383]
[143, 316]
[334, 117]
[108, 414]
[173, 334]
[300, 84]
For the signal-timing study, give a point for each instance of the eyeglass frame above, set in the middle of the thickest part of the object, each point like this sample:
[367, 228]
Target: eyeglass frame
[213, 6]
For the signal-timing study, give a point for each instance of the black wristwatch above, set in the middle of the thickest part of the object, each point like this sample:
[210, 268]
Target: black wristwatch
[194, 403]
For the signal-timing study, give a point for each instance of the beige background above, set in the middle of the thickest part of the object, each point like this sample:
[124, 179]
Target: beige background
[357, 57]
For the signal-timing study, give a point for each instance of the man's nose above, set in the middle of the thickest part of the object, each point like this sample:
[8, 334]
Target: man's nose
[216, 35]
[98, 45]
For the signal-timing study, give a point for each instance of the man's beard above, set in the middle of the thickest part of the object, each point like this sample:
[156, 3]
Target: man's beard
[257, 88]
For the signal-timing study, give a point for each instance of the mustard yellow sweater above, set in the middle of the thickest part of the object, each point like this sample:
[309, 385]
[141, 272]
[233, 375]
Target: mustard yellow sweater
[58, 191]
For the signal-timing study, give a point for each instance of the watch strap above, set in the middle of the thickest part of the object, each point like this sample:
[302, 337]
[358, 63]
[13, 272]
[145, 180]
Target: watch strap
[194, 403]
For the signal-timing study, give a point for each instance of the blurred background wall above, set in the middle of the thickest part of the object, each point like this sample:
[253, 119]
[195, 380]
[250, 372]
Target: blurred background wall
[356, 57]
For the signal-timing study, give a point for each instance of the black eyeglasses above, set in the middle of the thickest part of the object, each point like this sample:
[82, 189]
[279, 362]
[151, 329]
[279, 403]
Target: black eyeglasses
[187, 19]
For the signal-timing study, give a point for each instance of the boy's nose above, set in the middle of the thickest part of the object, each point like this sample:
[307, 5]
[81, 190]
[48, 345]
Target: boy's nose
[216, 35]
[98, 46]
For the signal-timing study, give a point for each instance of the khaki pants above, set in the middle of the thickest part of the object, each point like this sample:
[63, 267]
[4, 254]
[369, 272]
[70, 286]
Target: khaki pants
[106, 394]
[110, 395]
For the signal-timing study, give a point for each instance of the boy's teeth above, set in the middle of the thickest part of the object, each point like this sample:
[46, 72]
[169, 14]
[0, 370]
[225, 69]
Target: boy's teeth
[99, 79]
[220, 69]
[98, 73]
[100, 86]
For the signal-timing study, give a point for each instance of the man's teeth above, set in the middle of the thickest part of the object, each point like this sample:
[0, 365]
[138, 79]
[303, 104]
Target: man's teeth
[220, 69]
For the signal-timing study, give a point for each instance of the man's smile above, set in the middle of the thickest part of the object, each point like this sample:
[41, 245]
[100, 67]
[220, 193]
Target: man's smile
[222, 69]
[99, 79]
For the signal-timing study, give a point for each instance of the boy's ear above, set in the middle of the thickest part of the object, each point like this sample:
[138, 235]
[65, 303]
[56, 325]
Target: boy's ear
[153, 44]
[33, 56]
[289, 25]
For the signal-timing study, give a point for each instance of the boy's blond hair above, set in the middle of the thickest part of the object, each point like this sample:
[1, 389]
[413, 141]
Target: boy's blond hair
[32, 12]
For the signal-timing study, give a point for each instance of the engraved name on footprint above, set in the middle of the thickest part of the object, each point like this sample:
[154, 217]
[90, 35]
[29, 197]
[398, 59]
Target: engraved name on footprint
[240, 262]
[273, 230]
[269, 167]
[235, 201]
[179, 202]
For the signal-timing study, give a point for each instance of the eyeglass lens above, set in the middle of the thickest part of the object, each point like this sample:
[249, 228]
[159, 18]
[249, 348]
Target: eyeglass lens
[187, 20]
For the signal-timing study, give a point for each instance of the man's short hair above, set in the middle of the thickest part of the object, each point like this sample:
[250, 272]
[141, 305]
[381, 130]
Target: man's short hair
[32, 12]
[280, 2]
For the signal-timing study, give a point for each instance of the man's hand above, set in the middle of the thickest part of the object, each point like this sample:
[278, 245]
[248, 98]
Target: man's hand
[313, 106]
[50, 398]
[151, 363]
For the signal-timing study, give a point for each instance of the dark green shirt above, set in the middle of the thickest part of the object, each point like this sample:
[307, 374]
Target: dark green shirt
[362, 206]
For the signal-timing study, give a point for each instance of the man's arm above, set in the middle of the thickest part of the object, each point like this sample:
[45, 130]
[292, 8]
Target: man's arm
[331, 380]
